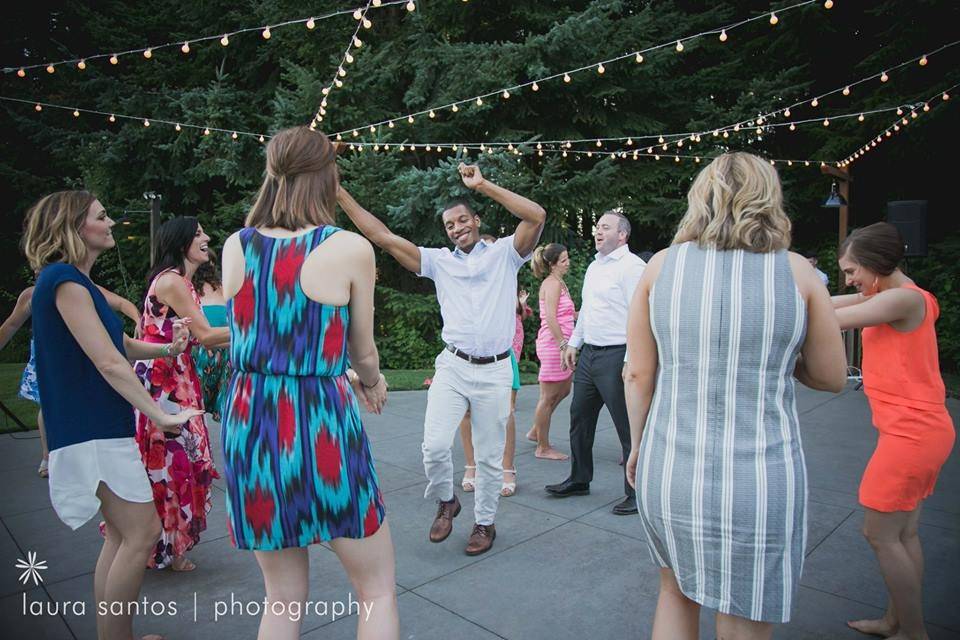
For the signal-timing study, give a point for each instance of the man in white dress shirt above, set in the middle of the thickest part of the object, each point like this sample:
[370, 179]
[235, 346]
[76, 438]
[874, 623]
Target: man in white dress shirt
[601, 330]
[477, 290]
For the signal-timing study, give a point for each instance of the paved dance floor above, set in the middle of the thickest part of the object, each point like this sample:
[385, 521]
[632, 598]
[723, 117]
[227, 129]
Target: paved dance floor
[560, 568]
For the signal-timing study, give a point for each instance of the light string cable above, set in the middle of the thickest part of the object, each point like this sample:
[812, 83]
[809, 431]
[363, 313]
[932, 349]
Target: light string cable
[146, 121]
[184, 45]
[897, 126]
[341, 72]
[511, 145]
[599, 67]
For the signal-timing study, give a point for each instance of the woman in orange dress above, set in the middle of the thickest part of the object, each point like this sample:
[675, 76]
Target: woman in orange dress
[901, 378]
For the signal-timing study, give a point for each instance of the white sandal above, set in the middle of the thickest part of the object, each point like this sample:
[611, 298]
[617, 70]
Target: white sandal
[43, 470]
[508, 489]
[469, 484]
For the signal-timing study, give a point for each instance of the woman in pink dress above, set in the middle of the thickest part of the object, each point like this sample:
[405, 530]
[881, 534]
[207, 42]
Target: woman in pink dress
[557, 315]
[180, 468]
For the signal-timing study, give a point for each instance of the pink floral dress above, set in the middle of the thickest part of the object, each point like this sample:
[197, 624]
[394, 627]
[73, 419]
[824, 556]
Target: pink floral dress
[180, 468]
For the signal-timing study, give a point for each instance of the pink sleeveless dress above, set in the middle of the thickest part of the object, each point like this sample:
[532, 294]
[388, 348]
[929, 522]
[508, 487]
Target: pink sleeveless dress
[548, 352]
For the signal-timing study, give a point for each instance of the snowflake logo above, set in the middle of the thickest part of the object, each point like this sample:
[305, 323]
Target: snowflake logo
[31, 567]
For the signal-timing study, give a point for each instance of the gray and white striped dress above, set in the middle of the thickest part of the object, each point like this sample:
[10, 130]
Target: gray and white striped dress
[722, 486]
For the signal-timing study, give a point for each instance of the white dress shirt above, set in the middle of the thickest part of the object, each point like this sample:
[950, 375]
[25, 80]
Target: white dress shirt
[607, 291]
[477, 292]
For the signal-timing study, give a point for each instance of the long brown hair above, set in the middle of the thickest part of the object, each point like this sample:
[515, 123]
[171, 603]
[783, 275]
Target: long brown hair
[545, 257]
[51, 229]
[300, 186]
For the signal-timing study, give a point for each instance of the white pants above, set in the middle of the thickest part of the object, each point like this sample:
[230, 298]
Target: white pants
[485, 390]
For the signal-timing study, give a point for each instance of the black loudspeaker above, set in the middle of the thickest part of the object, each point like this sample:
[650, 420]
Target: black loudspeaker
[910, 218]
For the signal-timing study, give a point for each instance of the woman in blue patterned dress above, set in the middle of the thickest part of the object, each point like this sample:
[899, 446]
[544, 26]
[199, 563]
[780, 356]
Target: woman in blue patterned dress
[296, 459]
[719, 325]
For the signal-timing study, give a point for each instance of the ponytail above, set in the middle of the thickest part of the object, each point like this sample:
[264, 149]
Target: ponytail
[545, 257]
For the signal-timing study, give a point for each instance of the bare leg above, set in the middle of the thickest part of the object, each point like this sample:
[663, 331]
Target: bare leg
[369, 564]
[466, 439]
[43, 436]
[510, 446]
[138, 527]
[551, 394]
[737, 628]
[285, 574]
[894, 539]
[677, 616]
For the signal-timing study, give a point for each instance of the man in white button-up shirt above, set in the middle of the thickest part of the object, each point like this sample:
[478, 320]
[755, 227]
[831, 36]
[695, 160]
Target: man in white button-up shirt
[477, 290]
[601, 330]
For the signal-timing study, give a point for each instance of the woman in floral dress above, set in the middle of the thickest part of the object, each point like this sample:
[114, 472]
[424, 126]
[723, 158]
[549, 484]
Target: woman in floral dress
[180, 468]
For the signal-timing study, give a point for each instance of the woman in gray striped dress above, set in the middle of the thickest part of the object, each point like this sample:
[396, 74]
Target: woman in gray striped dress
[720, 324]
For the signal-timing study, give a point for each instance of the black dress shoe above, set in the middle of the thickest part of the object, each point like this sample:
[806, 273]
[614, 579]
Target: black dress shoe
[626, 508]
[568, 488]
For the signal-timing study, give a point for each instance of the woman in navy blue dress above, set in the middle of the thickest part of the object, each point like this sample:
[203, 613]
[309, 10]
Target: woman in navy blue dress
[87, 387]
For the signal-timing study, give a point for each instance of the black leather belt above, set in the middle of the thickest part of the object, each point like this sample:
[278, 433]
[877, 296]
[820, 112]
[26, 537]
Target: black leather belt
[478, 359]
[606, 346]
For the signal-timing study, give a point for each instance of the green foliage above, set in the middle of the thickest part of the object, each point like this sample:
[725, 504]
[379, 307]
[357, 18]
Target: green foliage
[448, 51]
[938, 272]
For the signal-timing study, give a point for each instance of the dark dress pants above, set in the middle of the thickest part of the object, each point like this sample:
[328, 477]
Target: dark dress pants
[597, 381]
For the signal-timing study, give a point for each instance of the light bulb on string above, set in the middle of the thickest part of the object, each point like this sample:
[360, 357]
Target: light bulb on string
[913, 114]
[37, 107]
[639, 57]
[726, 134]
[224, 40]
[234, 135]
[660, 139]
[629, 142]
[860, 118]
[826, 122]
[600, 69]
[185, 47]
[355, 133]
[815, 102]
[432, 114]
[793, 127]
[311, 24]
[325, 90]
[348, 58]
[566, 77]
[373, 129]
[390, 124]
[679, 46]
[905, 122]
[599, 144]
[206, 131]
[479, 101]
[846, 91]
[945, 96]
[828, 4]
[50, 68]
[146, 122]
[357, 42]
[112, 118]
[341, 72]
[535, 87]
[82, 65]
[148, 53]
[505, 94]
[455, 108]
[21, 73]
[723, 35]
[357, 15]
[884, 77]
[338, 82]
[786, 112]
[177, 127]
[76, 113]
[410, 119]
[411, 6]
[923, 61]
[266, 33]
[377, 3]
[773, 18]
[926, 107]
[366, 23]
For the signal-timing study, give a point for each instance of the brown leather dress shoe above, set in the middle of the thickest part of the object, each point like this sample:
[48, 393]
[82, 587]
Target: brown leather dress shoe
[481, 540]
[443, 523]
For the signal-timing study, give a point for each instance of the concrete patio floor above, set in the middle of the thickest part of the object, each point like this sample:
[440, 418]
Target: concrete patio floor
[560, 568]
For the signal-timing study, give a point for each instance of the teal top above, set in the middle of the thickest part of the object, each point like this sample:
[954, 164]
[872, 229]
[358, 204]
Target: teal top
[216, 314]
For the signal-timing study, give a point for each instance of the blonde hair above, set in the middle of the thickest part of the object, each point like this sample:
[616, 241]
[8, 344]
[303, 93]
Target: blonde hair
[545, 257]
[300, 186]
[736, 203]
[51, 229]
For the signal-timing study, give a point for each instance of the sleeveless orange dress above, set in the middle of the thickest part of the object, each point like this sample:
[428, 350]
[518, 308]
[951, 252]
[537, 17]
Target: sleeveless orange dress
[901, 378]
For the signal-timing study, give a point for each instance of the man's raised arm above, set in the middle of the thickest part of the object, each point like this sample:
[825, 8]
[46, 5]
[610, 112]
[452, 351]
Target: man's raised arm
[405, 252]
[532, 215]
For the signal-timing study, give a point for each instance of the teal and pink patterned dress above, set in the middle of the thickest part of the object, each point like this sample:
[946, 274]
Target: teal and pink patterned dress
[296, 458]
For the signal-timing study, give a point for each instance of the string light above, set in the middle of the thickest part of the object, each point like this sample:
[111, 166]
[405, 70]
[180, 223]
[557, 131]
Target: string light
[723, 38]
[566, 77]
[50, 68]
[224, 40]
[186, 47]
[600, 68]
[21, 72]
[311, 24]
[411, 6]
[148, 53]
[82, 65]
[679, 46]
[828, 4]
[177, 127]
[773, 18]
[76, 114]
[923, 61]
[112, 118]
[38, 108]
[639, 57]
[814, 103]
[846, 91]
[266, 33]
[146, 122]
[535, 87]
[884, 77]
[506, 94]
